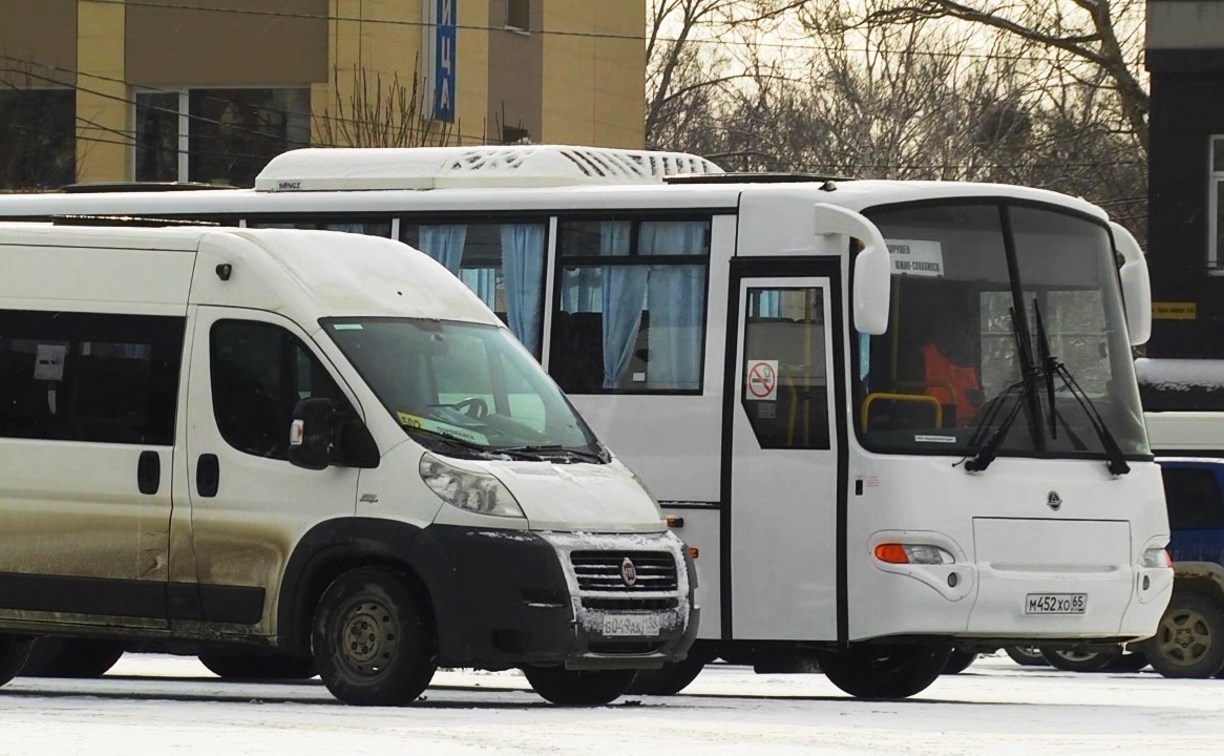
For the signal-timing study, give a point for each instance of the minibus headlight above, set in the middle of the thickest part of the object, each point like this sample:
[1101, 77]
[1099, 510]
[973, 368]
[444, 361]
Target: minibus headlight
[1156, 558]
[473, 491]
[913, 553]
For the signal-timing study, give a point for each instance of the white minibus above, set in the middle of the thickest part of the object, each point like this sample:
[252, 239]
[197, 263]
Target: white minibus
[893, 417]
[262, 444]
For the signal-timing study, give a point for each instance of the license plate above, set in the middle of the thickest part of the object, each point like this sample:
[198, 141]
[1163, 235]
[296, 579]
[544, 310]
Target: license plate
[630, 624]
[1055, 603]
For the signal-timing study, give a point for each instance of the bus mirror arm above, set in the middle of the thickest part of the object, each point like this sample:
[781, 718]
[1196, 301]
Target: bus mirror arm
[871, 265]
[1136, 286]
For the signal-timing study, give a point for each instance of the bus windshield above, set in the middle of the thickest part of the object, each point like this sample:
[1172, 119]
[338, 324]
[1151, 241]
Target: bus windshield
[985, 299]
[464, 389]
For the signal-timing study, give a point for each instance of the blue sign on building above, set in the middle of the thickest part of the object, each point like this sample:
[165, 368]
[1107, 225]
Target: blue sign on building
[444, 62]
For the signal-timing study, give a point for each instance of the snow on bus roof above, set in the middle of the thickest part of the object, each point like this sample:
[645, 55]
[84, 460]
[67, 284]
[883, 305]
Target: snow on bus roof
[355, 168]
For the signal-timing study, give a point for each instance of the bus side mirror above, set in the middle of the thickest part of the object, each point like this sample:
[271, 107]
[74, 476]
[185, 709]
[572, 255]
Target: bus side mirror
[1136, 286]
[310, 434]
[871, 265]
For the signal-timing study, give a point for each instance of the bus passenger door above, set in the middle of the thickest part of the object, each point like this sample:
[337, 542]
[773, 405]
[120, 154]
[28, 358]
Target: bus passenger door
[782, 451]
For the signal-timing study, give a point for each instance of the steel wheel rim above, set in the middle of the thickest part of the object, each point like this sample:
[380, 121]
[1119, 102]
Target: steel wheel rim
[368, 638]
[1185, 637]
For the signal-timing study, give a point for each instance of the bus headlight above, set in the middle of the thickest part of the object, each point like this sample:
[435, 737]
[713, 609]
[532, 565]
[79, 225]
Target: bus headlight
[913, 553]
[466, 489]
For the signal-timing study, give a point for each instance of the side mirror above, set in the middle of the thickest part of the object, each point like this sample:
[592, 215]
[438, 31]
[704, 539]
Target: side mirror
[871, 266]
[1136, 286]
[310, 434]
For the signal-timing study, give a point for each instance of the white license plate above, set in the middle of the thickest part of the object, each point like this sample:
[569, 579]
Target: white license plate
[630, 624]
[1055, 603]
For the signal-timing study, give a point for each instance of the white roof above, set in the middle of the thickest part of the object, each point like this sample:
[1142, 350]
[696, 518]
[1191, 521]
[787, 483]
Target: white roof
[321, 169]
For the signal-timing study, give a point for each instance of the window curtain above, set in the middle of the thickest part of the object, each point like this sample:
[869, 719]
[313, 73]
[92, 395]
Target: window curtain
[769, 304]
[444, 244]
[483, 281]
[676, 294]
[522, 248]
[583, 290]
[624, 297]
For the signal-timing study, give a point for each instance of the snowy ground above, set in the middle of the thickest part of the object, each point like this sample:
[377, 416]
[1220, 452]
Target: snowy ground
[155, 705]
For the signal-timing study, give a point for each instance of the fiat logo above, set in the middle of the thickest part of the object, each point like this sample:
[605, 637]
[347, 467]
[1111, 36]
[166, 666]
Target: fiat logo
[628, 571]
[1054, 500]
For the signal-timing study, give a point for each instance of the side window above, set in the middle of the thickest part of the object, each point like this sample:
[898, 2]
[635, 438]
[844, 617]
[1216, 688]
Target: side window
[89, 377]
[259, 373]
[369, 227]
[631, 305]
[503, 263]
[1192, 495]
[785, 386]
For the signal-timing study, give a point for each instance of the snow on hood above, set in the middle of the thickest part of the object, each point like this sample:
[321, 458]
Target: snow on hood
[580, 497]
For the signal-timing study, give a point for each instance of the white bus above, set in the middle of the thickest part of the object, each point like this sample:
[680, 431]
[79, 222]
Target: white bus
[893, 417]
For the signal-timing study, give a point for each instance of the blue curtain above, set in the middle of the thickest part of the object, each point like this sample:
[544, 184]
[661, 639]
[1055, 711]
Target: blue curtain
[769, 304]
[444, 244]
[483, 281]
[522, 248]
[676, 297]
[624, 297]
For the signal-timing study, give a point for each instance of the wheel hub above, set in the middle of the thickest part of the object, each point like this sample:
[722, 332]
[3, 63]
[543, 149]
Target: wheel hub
[368, 637]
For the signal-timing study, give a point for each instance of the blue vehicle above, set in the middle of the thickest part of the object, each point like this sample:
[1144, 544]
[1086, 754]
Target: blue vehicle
[1189, 640]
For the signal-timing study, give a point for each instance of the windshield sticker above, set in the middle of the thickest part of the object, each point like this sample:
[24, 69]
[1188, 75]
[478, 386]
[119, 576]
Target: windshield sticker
[916, 257]
[348, 326]
[920, 439]
[445, 429]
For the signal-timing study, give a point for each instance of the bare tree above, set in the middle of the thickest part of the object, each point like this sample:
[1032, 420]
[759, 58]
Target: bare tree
[380, 113]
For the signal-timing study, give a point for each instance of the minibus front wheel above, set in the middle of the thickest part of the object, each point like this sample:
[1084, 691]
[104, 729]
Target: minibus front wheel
[14, 650]
[566, 687]
[372, 640]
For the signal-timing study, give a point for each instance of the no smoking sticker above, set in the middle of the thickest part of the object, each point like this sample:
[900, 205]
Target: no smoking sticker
[762, 380]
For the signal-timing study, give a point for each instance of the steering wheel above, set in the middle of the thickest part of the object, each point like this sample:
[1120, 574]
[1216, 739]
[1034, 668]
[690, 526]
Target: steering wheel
[473, 406]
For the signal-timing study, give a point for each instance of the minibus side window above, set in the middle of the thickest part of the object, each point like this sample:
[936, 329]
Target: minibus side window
[259, 373]
[92, 377]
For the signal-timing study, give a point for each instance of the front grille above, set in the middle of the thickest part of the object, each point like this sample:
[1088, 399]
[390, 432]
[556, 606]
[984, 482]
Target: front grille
[602, 571]
[631, 604]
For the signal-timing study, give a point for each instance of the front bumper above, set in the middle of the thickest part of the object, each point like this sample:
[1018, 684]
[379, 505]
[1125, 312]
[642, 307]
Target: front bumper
[508, 598]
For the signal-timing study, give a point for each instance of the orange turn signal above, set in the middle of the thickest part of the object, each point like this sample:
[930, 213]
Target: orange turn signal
[892, 553]
[694, 552]
[675, 522]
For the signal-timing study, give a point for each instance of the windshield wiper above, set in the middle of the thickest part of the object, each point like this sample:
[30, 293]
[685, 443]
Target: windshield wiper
[987, 452]
[1052, 367]
[461, 443]
[546, 451]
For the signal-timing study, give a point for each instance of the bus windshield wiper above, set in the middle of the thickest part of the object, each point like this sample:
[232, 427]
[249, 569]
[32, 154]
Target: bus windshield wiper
[986, 452]
[1052, 367]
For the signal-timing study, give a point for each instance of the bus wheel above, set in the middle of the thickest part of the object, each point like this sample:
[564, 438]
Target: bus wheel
[1025, 656]
[959, 661]
[579, 687]
[673, 677]
[1087, 659]
[231, 666]
[14, 650]
[881, 671]
[71, 657]
[373, 644]
[1189, 640]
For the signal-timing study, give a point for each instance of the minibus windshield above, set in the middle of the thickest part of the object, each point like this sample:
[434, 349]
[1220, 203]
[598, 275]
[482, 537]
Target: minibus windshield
[465, 389]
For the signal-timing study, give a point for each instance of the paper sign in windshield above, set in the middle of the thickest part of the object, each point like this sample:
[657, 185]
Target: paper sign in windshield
[445, 429]
[915, 257]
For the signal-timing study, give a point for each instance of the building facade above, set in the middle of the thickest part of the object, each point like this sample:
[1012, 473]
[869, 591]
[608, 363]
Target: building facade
[1185, 57]
[208, 90]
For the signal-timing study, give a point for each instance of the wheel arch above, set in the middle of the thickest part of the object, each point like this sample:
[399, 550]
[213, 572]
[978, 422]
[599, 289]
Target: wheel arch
[1205, 578]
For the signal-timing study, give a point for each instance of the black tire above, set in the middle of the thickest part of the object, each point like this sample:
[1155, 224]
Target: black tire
[373, 643]
[959, 661]
[1189, 640]
[71, 657]
[881, 671]
[1087, 659]
[232, 666]
[1130, 661]
[14, 650]
[1025, 656]
[565, 687]
[673, 677]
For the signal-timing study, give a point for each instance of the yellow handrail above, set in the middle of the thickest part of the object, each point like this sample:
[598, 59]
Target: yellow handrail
[924, 398]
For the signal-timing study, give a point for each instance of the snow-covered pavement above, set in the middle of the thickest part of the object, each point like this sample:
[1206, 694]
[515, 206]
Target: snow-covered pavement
[153, 705]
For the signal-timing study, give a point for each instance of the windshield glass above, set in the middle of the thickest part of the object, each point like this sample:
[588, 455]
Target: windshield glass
[463, 389]
[958, 339]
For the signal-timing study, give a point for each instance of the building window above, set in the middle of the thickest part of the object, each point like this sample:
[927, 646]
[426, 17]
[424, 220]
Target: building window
[502, 262]
[631, 306]
[1215, 215]
[218, 136]
[37, 138]
[518, 14]
[89, 377]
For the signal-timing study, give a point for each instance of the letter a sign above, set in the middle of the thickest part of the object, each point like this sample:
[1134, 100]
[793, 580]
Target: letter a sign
[444, 61]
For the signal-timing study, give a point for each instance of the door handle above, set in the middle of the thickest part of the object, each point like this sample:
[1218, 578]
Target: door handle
[208, 475]
[148, 472]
